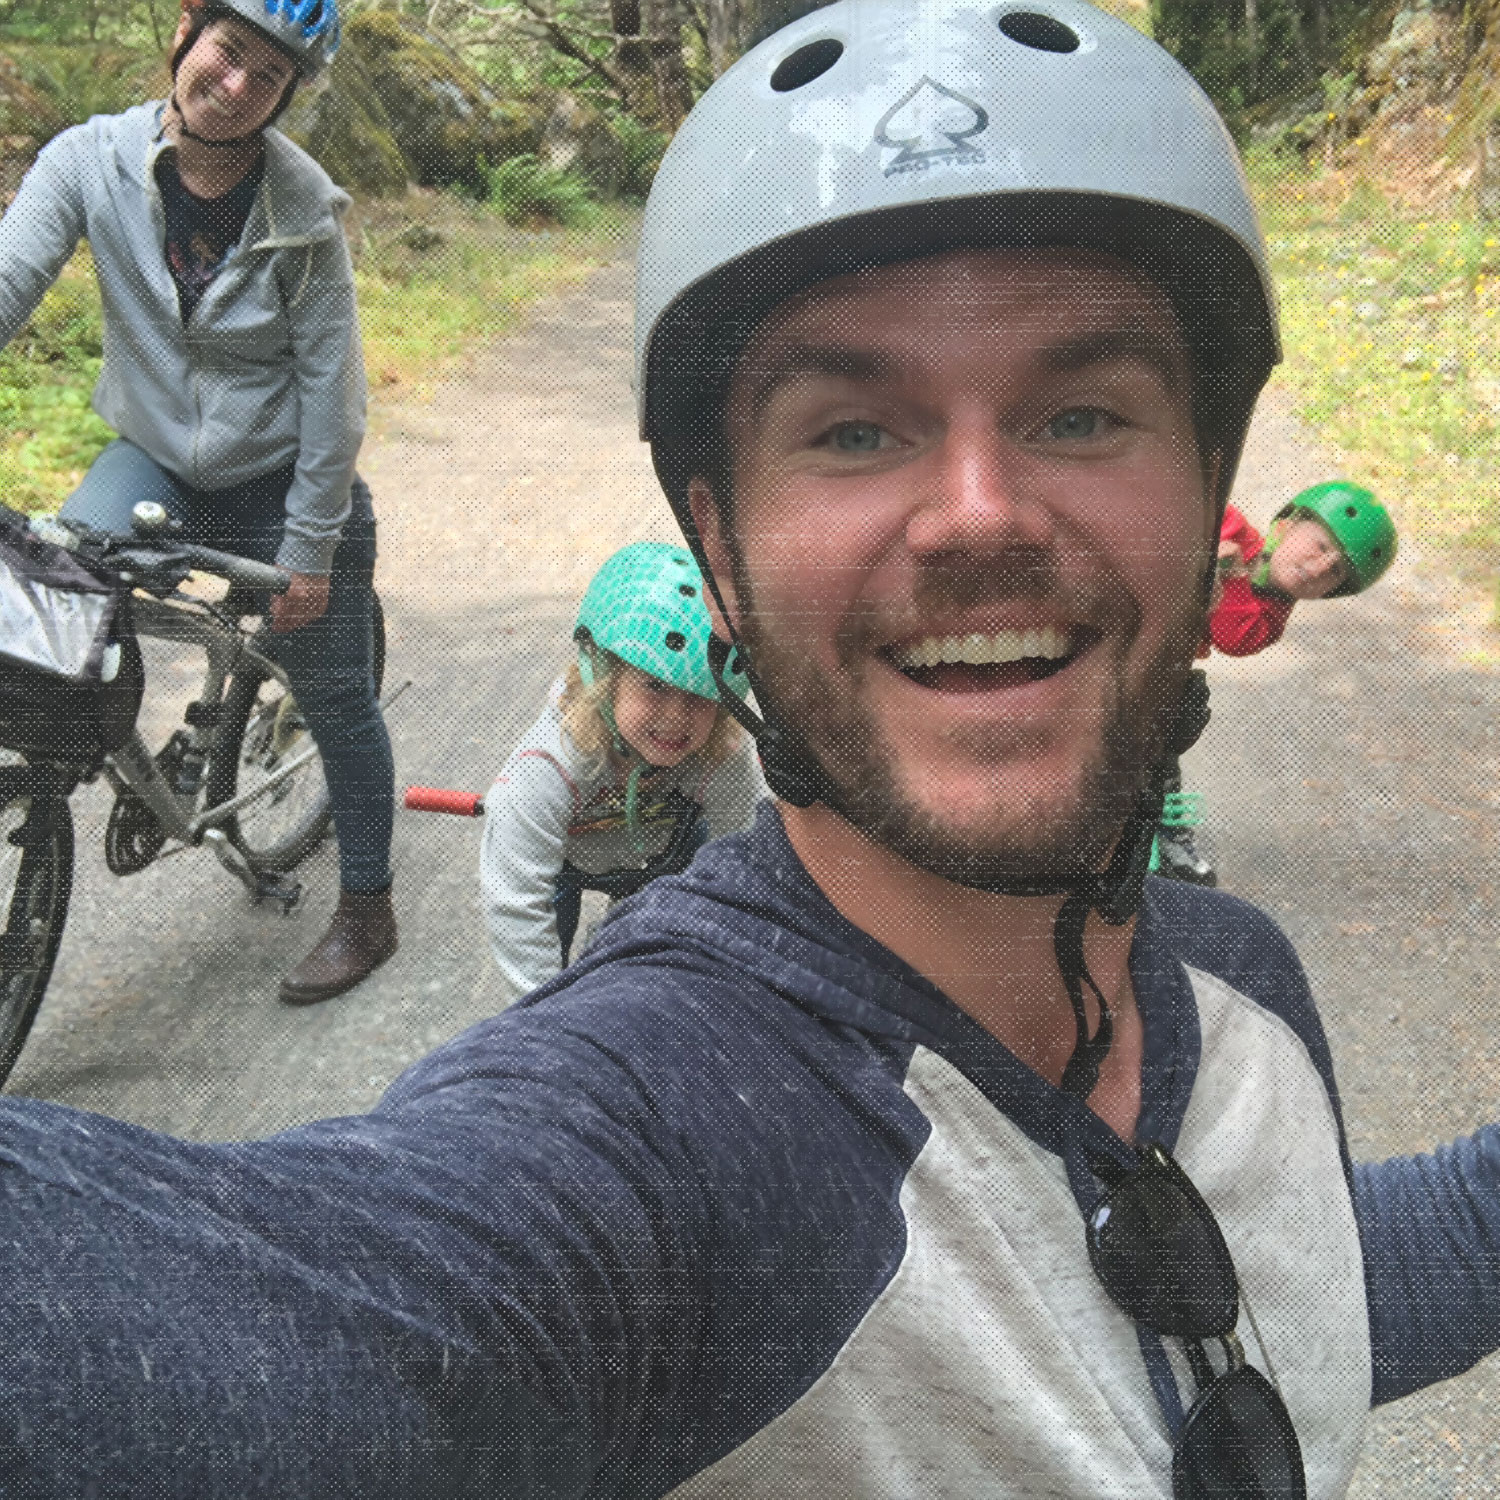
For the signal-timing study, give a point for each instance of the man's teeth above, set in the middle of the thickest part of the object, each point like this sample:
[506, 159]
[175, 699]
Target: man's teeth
[1047, 641]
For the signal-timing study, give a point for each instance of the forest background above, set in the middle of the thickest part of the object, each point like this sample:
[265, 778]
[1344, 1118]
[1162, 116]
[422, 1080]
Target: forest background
[497, 149]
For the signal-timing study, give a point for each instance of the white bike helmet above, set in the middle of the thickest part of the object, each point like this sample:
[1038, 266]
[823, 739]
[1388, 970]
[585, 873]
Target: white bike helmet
[875, 131]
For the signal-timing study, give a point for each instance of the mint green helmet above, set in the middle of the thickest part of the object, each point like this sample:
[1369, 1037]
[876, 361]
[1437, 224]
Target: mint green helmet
[645, 606]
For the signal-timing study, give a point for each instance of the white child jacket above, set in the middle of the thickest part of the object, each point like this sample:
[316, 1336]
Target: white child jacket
[552, 802]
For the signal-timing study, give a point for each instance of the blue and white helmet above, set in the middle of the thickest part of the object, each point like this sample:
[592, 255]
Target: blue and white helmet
[308, 29]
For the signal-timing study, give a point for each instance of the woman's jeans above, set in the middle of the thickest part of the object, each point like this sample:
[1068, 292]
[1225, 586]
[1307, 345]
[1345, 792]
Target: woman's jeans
[328, 662]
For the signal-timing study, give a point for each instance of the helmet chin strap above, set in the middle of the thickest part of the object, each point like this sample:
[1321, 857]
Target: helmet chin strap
[202, 140]
[794, 775]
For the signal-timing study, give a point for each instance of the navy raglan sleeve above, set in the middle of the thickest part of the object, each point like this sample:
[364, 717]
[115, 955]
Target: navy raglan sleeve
[1429, 1225]
[469, 1292]
[1430, 1228]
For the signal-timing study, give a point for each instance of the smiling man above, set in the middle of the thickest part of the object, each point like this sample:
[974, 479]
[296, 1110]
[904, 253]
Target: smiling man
[912, 1143]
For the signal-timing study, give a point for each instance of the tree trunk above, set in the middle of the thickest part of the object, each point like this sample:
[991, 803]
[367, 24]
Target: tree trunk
[1317, 18]
[153, 11]
[729, 23]
[665, 21]
[648, 58]
[1252, 46]
[632, 60]
[734, 26]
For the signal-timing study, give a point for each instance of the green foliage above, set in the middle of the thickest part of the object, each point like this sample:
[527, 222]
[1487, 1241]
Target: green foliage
[79, 80]
[132, 24]
[1294, 44]
[527, 192]
[641, 150]
[48, 434]
[1392, 331]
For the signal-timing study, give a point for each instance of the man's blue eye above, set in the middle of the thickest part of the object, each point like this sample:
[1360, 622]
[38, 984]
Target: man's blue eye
[858, 437]
[1080, 422]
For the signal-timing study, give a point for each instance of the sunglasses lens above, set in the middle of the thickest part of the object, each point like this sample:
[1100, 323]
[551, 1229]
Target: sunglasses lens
[1159, 1253]
[1238, 1444]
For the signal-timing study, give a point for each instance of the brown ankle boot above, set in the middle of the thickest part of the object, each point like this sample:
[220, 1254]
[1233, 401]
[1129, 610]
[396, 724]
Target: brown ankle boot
[360, 938]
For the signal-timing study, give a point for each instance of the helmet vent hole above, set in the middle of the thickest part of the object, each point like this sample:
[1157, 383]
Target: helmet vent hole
[1350, 511]
[676, 641]
[799, 68]
[687, 591]
[1041, 33]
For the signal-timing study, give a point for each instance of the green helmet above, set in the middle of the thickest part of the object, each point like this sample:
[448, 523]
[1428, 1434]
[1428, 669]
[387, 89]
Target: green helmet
[645, 605]
[1358, 522]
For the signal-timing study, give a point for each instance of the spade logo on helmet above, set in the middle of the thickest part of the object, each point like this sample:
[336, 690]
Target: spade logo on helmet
[931, 125]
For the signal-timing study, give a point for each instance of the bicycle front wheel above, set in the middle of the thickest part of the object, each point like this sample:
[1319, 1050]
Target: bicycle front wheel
[261, 732]
[36, 882]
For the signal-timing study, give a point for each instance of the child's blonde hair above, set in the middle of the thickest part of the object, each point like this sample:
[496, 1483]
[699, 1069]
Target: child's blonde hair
[583, 711]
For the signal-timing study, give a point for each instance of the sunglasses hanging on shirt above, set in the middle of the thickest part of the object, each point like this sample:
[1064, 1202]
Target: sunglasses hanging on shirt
[1159, 1252]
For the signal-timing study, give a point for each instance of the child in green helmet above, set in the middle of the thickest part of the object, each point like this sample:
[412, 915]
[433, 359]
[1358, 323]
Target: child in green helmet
[1331, 540]
[633, 764]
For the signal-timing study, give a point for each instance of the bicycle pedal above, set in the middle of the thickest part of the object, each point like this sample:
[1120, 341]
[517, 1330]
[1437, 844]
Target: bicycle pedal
[281, 888]
[133, 837]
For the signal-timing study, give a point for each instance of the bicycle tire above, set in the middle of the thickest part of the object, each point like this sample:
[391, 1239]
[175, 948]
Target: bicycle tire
[258, 728]
[36, 885]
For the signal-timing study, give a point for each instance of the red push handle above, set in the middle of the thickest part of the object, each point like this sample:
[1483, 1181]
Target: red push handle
[435, 799]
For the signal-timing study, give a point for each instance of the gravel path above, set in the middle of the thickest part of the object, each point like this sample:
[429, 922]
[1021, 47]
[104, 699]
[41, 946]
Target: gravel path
[1350, 775]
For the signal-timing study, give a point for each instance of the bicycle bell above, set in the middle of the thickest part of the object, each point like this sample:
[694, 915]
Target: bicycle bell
[149, 517]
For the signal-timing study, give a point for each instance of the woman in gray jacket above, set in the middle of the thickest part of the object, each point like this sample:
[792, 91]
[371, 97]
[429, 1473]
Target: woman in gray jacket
[234, 375]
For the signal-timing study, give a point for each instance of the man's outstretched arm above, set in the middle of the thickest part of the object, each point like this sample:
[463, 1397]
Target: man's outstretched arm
[457, 1295]
[1430, 1229]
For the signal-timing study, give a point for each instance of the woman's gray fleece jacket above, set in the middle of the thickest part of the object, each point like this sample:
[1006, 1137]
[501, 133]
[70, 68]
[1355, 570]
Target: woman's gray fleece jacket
[267, 372]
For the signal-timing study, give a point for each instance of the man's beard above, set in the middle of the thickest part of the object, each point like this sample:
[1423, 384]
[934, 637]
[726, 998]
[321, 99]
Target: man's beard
[1052, 841]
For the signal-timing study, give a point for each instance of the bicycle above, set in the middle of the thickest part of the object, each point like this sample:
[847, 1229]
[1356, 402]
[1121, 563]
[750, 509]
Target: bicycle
[241, 776]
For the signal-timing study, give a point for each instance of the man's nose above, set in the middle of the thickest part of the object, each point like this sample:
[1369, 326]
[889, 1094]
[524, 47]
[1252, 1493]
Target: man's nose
[980, 494]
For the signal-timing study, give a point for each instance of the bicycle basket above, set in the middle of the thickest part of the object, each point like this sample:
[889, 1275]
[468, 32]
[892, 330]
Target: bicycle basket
[71, 676]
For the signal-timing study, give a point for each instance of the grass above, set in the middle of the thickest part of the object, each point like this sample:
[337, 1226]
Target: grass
[433, 287]
[48, 434]
[435, 275]
[1391, 322]
[526, 192]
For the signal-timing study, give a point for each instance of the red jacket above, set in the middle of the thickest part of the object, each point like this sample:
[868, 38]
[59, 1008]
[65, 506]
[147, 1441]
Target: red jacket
[1245, 621]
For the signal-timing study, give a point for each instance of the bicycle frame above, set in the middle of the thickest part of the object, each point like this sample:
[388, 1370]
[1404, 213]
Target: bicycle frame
[135, 766]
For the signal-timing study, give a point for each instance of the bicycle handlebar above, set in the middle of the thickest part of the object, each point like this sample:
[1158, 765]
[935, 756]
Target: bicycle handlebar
[158, 548]
[438, 800]
[241, 570]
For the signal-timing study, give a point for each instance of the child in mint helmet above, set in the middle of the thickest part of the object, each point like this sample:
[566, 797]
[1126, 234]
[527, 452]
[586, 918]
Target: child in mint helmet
[1331, 540]
[631, 767]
